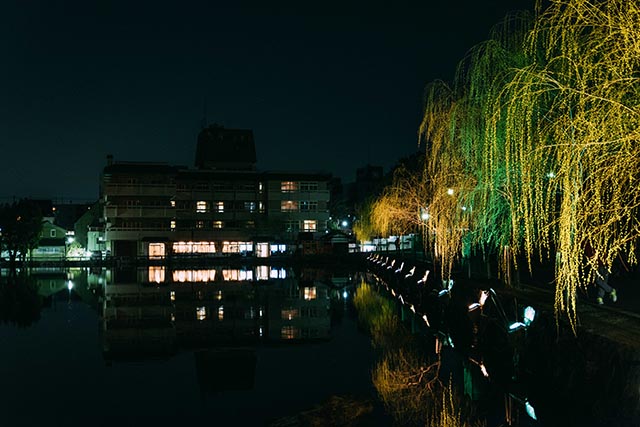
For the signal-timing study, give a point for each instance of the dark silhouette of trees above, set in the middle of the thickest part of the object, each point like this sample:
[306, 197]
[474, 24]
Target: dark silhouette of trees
[20, 228]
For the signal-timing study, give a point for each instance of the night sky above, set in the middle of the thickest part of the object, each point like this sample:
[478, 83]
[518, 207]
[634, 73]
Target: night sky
[325, 86]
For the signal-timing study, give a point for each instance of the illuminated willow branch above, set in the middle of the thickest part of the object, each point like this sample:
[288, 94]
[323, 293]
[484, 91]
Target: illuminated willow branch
[397, 210]
[538, 139]
[468, 205]
[571, 128]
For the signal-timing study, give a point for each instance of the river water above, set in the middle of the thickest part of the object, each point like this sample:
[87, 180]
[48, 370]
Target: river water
[225, 346]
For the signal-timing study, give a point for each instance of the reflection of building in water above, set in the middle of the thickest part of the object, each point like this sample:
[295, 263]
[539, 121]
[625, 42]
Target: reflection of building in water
[165, 309]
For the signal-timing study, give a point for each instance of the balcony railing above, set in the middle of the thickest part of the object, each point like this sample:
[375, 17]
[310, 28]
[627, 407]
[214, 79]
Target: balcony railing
[139, 212]
[139, 190]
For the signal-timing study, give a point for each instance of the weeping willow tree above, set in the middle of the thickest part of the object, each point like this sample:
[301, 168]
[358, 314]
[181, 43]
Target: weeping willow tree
[570, 125]
[397, 210]
[446, 180]
[480, 78]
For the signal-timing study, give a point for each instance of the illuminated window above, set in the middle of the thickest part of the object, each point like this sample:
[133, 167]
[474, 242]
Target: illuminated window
[173, 224]
[278, 273]
[308, 186]
[156, 274]
[308, 206]
[250, 206]
[156, 250]
[172, 295]
[218, 224]
[199, 224]
[219, 206]
[260, 187]
[201, 313]
[219, 295]
[236, 247]
[289, 332]
[310, 293]
[52, 233]
[194, 247]
[173, 203]
[230, 275]
[201, 206]
[220, 313]
[309, 225]
[288, 206]
[262, 272]
[260, 207]
[288, 186]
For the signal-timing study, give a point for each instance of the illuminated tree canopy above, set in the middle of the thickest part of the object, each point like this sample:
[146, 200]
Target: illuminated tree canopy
[533, 150]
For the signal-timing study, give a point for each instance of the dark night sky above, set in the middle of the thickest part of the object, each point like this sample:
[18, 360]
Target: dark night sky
[324, 85]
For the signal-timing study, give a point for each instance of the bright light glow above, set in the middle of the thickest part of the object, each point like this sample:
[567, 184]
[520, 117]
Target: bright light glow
[156, 274]
[345, 294]
[201, 206]
[529, 315]
[474, 306]
[530, 411]
[464, 208]
[425, 216]
[442, 292]
[69, 285]
[551, 175]
[450, 191]
[412, 308]
[483, 369]
[483, 297]
[344, 223]
[221, 313]
[70, 240]
[201, 313]
[194, 247]
[310, 293]
[424, 317]
[172, 295]
[515, 326]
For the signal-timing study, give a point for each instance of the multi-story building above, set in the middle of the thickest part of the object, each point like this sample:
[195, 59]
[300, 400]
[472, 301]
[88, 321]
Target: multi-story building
[224, 205]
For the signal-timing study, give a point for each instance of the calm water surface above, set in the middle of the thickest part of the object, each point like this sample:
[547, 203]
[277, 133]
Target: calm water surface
[165, 348]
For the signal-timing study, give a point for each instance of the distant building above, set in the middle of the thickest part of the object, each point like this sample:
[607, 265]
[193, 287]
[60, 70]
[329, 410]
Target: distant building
[52, 244]
[223, 206]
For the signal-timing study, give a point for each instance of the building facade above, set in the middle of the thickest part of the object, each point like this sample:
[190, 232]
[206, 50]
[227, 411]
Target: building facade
[157, 210]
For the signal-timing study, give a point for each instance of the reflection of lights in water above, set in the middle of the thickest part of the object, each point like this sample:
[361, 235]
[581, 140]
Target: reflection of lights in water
[173, 295]
[219, 295]
[260, 331]
[201, 313]
[69, 285]
[220, 313]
